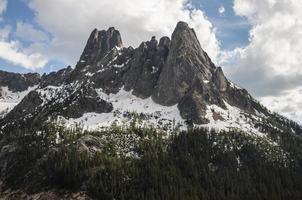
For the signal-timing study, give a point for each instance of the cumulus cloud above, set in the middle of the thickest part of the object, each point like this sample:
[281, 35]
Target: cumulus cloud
[289, 103]
[70, 22]
[13, 52]
[270, 65]
[275, 45]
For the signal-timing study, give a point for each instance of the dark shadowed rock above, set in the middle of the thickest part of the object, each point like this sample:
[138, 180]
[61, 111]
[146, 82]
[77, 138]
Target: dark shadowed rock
[99, 43]
[145, 68]
[56, 78]
[18, 82]
[193, 108]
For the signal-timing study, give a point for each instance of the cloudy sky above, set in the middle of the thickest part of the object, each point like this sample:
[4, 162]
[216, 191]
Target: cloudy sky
[257, 42]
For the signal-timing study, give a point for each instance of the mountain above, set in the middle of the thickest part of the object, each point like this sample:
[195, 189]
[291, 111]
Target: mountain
[160, 121]
[170, 82]
[13, 88]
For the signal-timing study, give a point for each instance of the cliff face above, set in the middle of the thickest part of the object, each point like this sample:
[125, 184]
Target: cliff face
[18, 82]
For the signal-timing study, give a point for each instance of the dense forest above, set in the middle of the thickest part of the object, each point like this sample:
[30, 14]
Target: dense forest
[144, 163]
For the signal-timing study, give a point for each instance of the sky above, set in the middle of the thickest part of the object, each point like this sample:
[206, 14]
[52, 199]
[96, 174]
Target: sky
[257, 42]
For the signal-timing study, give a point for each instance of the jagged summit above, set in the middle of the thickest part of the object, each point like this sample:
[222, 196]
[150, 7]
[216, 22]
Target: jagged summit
[185, 64]
[99, 43]
[18, 82]
[166, 82]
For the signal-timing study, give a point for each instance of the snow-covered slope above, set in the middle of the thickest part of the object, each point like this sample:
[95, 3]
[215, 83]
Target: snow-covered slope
[126, 108]
[9, 99]
[232, 118]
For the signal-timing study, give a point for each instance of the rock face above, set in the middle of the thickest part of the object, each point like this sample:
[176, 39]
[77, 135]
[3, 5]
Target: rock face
[18, 82]
[56, 78]
[146, 66]
[186, 64]
[186, 77]
[172, 72]
[99, 43]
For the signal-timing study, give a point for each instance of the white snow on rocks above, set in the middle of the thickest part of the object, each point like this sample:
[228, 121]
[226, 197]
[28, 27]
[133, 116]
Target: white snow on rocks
[126, 107]
[49, 93]
[233, 85]
[9, 99]
[154, 69]
[231, 118]
[119, 66]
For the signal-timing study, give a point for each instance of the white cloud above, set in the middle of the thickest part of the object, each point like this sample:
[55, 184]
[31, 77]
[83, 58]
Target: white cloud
[27, 32]
[71, 21]
[289, 103]
[275, 39]
[221, 9]
[13, 52]
[270, 65]
[3, 6]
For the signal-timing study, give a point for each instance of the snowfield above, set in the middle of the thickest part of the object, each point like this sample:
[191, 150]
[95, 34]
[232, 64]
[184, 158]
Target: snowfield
[232, 118]
[126, 106]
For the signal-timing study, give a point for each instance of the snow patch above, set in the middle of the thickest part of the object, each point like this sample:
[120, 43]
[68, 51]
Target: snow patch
[49, 93]
[119, 66]
[231, 118]
[89, 74]
[9, 99]
[154, 70]
[233, 85]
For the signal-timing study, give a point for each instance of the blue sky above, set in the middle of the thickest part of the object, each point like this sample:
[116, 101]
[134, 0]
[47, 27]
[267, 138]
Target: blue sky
[231, 30]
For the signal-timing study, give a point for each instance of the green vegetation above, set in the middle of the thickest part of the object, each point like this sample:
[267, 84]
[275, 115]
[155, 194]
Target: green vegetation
[144, 163]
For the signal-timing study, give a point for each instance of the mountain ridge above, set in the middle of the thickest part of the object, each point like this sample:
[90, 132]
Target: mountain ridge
[172, 72]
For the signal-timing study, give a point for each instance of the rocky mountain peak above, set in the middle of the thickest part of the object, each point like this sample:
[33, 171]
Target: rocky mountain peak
[99, 43]
[187, 65]
[162, 80]
[185, 39]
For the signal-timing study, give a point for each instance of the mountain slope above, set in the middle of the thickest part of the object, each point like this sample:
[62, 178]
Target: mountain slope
[166, 83]
[14, 87]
